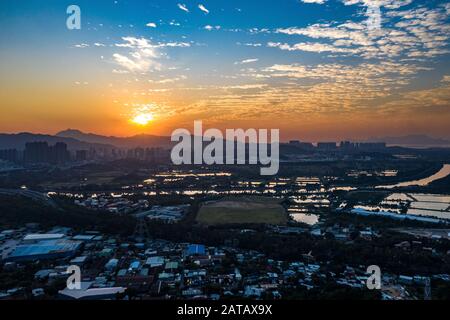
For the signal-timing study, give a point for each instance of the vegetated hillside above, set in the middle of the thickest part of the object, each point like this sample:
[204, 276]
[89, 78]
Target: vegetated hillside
[17, 211]
[143, 140]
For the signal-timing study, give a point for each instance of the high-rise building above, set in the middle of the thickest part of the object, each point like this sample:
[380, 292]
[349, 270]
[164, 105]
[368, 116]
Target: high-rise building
[372, 146]
[81, 155]
[41, 152]
[9, 155]
[36, 152]
[347, 145]
[327, 145]
[59, 153]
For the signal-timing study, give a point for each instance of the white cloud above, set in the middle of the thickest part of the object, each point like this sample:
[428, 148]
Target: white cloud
[120, 71]
[243, 87]
[143, 43]
[144, 54]
[315, 89]
[169, 80]
[246, 61]
[345, 73]
[388, 4]
[249, 44]
[309, 47]
[414, 33]
[142, 58]
[183, 7]
[314, 1]
[210, 28]
[258, 30]
[203, 8]
[427, 101]
[173, 45]
[348, 31]
[447, 8]
[132, 42]
[135, 65]
[151, 25]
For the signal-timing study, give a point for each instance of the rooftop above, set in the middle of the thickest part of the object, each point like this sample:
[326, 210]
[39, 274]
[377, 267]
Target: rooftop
[43, 248]
[43, 236]
[195, 249]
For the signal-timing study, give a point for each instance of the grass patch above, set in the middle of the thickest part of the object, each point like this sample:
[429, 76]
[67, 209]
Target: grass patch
[242, 210]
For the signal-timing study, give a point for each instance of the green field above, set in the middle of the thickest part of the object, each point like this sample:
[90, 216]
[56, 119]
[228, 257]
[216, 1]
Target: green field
[243, 210]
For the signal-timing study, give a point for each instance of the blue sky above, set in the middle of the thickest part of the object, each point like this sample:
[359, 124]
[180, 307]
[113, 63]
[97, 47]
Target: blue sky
[317, 66]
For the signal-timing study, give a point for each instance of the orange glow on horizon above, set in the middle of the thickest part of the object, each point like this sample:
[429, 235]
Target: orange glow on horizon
[142, 119]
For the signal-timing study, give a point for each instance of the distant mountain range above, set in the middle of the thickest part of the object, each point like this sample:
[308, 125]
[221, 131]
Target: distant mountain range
[78, 140]
[419, 140]
[143, 140]
[18, 141]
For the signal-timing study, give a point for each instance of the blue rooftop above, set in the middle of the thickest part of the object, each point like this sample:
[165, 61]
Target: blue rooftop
[196, 249]
[45, 249]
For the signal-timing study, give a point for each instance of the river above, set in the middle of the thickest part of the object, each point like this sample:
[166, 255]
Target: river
[444, 172]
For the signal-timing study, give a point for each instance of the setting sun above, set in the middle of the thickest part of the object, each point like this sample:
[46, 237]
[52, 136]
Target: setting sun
[142, 119]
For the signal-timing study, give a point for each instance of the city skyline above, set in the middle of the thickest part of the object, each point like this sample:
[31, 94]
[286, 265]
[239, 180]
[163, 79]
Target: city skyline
[315, 69]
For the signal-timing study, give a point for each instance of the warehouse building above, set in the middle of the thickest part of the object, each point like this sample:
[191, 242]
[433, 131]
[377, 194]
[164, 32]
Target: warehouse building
[45, 250]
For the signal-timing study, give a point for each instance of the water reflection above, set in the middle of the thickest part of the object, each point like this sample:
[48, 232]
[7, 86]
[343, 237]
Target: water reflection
[310, 219]
[411, 204]
[444, 172]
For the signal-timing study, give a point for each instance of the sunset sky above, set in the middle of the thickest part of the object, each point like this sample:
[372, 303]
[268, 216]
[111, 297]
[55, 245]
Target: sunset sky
[315, 69]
